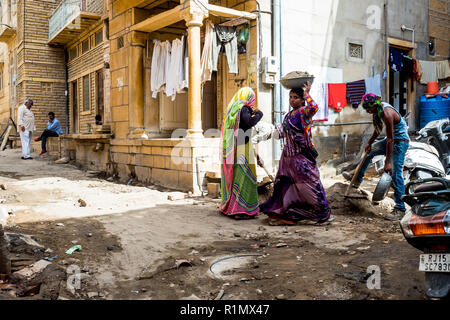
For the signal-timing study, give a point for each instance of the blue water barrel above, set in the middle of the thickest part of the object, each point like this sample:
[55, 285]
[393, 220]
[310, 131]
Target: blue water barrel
[433, 109]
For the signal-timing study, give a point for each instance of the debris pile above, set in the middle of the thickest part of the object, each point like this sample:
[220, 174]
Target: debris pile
[341, 205]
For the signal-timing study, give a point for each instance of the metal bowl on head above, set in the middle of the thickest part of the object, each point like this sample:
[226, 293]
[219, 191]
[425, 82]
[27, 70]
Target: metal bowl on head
[382, 187]
[296, 79]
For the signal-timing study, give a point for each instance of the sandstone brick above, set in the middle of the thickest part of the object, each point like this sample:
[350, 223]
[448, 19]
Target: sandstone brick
[159, 161]
[438, 5]
[143, 174]
[119, 113]
[167, 178]
[121, 129]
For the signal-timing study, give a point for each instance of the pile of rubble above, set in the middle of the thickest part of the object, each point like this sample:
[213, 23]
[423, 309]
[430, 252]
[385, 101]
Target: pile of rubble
[22, 275]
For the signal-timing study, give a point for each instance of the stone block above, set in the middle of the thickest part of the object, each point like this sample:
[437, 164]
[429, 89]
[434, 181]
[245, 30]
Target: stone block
[31, 271]
[213, 189]
[166, 178]
[143, 174]
[159, 162]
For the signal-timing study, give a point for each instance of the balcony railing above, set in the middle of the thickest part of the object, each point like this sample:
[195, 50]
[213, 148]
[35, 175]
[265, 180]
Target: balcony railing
[70, 15]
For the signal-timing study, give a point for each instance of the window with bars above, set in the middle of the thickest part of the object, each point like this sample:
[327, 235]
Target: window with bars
[86, 94]
[85, 46]
[99, 37]
[73, 53]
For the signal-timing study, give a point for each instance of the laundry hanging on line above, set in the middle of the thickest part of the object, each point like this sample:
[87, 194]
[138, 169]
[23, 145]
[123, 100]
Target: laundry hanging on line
[225, 37]
[337, 96]
[395, 60]
[355, 91]
[373, 85]
[429, 71]
[169, 70]
[442, 69]
[206, 60]
[320, 93]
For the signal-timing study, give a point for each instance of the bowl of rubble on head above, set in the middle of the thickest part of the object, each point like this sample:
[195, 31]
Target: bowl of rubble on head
[296, 79]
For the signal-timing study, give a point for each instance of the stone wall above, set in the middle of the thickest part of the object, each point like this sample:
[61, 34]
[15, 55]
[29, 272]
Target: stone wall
[41, 70]
[439, 27]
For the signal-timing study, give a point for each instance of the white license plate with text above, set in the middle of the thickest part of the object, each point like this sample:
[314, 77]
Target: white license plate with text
[435, 262]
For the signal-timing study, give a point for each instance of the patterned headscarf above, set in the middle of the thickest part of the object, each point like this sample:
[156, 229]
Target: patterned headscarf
[369, 101]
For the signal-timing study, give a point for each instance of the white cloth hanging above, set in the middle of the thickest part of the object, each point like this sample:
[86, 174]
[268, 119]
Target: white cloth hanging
[185, 79]
[373, 85]
[319, 92]
[160, 63]
[206, 61]
[154, 84]
[174, 81]
[429, 71]
[183, 71]
[442, 69]
[168, 60]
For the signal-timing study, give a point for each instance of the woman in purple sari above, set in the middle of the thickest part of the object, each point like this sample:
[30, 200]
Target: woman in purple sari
[298, 193]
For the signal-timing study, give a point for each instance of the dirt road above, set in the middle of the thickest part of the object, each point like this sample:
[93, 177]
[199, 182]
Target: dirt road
[132, 237]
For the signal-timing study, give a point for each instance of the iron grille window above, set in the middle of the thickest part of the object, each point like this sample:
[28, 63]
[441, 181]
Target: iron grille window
[355, 51]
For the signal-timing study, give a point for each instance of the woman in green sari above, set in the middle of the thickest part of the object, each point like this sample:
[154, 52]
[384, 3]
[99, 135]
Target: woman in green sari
[238, 183]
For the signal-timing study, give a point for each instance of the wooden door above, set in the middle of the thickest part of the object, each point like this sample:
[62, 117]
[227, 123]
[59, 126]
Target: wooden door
[209, 104]
[173, 114]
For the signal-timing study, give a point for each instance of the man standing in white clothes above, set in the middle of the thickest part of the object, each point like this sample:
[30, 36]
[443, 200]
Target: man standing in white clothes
[25, 120]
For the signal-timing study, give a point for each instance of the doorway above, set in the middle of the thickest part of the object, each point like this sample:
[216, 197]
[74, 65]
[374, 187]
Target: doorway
[398, 87]
[209, 104]
[401, 88]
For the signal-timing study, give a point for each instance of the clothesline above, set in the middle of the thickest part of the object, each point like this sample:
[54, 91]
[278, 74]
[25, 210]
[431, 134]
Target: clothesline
[339, 95]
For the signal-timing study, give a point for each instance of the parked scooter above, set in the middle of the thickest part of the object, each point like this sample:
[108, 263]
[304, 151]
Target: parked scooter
[426, 226]
[427, 159]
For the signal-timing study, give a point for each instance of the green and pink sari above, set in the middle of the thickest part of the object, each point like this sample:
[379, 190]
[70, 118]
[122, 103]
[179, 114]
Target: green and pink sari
[238, 183]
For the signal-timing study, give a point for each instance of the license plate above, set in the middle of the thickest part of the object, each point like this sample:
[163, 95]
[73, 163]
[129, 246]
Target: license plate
[435, 262]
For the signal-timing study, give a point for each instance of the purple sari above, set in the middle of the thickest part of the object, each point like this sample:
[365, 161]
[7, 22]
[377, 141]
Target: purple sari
[298, 193]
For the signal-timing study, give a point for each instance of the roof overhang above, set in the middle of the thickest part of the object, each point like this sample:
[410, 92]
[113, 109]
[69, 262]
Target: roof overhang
[178, 13]
[73, 27]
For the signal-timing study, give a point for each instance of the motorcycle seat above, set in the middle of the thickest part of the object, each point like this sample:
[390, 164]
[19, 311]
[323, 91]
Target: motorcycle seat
[429, 187]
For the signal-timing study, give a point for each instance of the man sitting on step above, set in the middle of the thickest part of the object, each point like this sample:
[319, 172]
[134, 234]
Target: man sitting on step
[53, 130]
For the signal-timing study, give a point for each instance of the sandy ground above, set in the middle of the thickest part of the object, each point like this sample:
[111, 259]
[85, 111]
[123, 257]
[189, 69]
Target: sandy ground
[133, 235]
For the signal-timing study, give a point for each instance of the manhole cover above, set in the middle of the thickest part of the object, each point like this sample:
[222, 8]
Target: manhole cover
[221, 265]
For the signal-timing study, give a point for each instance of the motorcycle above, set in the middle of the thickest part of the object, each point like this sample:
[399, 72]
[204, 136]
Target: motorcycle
[423, 160]
[426, 226]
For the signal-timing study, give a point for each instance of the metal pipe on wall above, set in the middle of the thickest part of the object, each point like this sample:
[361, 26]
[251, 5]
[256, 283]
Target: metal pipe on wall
[276, 51]
[386, 49]
[340, 124]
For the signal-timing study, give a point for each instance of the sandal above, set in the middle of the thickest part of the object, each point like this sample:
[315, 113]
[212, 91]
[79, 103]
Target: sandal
[324, 223]
[243, 217]
[280, 222]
